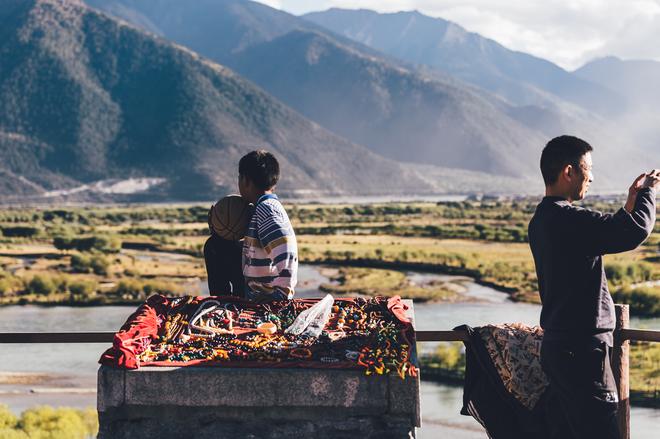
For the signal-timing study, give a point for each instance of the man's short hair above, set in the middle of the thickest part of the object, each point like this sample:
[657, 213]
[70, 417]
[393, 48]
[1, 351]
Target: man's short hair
[260, 167]
[559, 152]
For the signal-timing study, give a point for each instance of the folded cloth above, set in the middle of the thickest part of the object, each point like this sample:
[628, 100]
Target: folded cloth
[136, 334]
[504, 383]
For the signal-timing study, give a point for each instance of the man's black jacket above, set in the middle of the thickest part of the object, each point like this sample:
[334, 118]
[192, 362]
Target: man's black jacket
[568, 243]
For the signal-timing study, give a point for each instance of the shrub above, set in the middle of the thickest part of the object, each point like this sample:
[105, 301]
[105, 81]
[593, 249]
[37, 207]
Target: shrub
[7, 418]
[621, 273]
[47, 422]
[63, 243]
[644, 301]
[81, 264]
[141, 289]
[129, 288]
[9, 284]
[450, 356]
[106, 244]
[99, 265]
[20, 231]
[82, 289]
[41, 285]
[103, 244]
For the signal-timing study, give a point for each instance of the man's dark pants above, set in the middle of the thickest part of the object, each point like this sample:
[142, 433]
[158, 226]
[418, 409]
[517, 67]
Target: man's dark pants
[582, 399]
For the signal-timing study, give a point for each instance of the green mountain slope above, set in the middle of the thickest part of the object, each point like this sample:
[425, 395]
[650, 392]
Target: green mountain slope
[85, 98]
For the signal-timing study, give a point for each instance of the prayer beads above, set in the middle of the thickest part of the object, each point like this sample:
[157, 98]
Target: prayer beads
[359, 332]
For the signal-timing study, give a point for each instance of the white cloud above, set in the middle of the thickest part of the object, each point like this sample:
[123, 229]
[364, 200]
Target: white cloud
[567, 32]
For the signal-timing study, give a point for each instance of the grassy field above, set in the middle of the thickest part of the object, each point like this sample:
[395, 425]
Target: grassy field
[122, 254]
[485, 240]
[388, 283]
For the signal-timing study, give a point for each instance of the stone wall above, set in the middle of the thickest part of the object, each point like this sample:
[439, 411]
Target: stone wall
[267, 403]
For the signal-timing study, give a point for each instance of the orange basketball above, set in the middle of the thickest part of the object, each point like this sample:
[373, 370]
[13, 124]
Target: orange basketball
[229, 217]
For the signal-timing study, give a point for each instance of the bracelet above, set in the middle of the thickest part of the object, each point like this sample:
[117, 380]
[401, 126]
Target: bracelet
[300, 353]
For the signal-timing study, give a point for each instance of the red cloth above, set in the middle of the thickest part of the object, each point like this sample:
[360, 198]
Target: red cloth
[133, 337]
[398, 308]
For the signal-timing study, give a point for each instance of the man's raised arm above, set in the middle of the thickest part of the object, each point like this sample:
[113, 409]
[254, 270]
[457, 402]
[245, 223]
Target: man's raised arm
[627, 228]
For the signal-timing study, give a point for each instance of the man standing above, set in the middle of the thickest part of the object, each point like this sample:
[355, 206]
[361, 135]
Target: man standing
[577, 312]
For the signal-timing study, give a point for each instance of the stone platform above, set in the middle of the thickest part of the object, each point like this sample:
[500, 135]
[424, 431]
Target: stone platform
[268, 403]
[255, 403]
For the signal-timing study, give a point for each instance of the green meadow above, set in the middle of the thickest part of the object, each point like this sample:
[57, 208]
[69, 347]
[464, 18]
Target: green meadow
[121, 254]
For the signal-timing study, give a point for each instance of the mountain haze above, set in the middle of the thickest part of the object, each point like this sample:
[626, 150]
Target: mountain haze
[84, 98]
[439, 44]
[396, 112]
[639, 82]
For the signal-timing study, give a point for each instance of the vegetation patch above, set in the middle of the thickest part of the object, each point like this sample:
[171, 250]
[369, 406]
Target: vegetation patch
[48, 422]
[381, 282]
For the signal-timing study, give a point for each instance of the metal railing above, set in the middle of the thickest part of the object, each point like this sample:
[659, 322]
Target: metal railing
[620, 359]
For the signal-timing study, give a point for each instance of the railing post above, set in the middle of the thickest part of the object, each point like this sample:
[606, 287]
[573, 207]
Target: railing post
[620, 368]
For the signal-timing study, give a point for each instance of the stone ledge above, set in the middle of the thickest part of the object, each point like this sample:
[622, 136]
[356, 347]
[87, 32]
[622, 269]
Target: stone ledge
[215, 402]
[267, 403]
[249, 387]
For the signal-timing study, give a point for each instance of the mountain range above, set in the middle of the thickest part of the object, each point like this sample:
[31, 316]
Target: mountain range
[442, 45]
[346, 87]
[350, 87]
[171, 93]
[84, 98]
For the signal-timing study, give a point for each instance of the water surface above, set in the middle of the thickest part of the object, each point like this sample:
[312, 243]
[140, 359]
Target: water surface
[70, 369]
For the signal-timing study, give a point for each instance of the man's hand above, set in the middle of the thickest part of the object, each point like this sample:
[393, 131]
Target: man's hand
[651, 179]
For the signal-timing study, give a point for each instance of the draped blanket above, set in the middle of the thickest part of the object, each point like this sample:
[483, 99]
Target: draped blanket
[504, 383]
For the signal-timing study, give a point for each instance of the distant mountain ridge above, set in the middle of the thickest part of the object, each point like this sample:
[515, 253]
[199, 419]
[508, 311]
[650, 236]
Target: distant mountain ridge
[639, 82]
[521, 78]
[86, 98]
[396, 112]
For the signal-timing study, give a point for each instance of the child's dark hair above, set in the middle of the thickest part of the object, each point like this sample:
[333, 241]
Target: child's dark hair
[559, 152]
[260, 167]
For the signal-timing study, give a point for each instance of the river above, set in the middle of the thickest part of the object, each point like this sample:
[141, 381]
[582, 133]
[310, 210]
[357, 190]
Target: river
[65, 374]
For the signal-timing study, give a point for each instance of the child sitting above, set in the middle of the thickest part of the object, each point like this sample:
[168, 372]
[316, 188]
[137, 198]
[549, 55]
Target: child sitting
[270, 251]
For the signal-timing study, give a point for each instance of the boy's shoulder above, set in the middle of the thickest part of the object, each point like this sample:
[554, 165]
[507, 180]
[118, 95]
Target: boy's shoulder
[270, 207]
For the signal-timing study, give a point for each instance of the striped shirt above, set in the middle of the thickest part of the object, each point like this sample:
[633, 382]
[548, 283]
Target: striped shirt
[270, 252]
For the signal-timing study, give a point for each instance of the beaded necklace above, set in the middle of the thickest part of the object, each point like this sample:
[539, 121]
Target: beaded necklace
[362, 333]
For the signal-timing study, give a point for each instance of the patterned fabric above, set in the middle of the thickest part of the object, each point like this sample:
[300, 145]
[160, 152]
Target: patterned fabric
[515, 350]
[270, 252]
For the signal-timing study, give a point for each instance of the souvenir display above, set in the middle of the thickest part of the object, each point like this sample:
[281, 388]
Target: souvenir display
[370, 334]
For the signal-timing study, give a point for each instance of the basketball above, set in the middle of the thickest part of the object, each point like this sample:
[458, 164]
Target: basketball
[229, 217]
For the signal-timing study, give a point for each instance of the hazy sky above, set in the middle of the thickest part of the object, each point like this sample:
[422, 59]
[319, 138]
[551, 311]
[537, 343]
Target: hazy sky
[567, 32]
